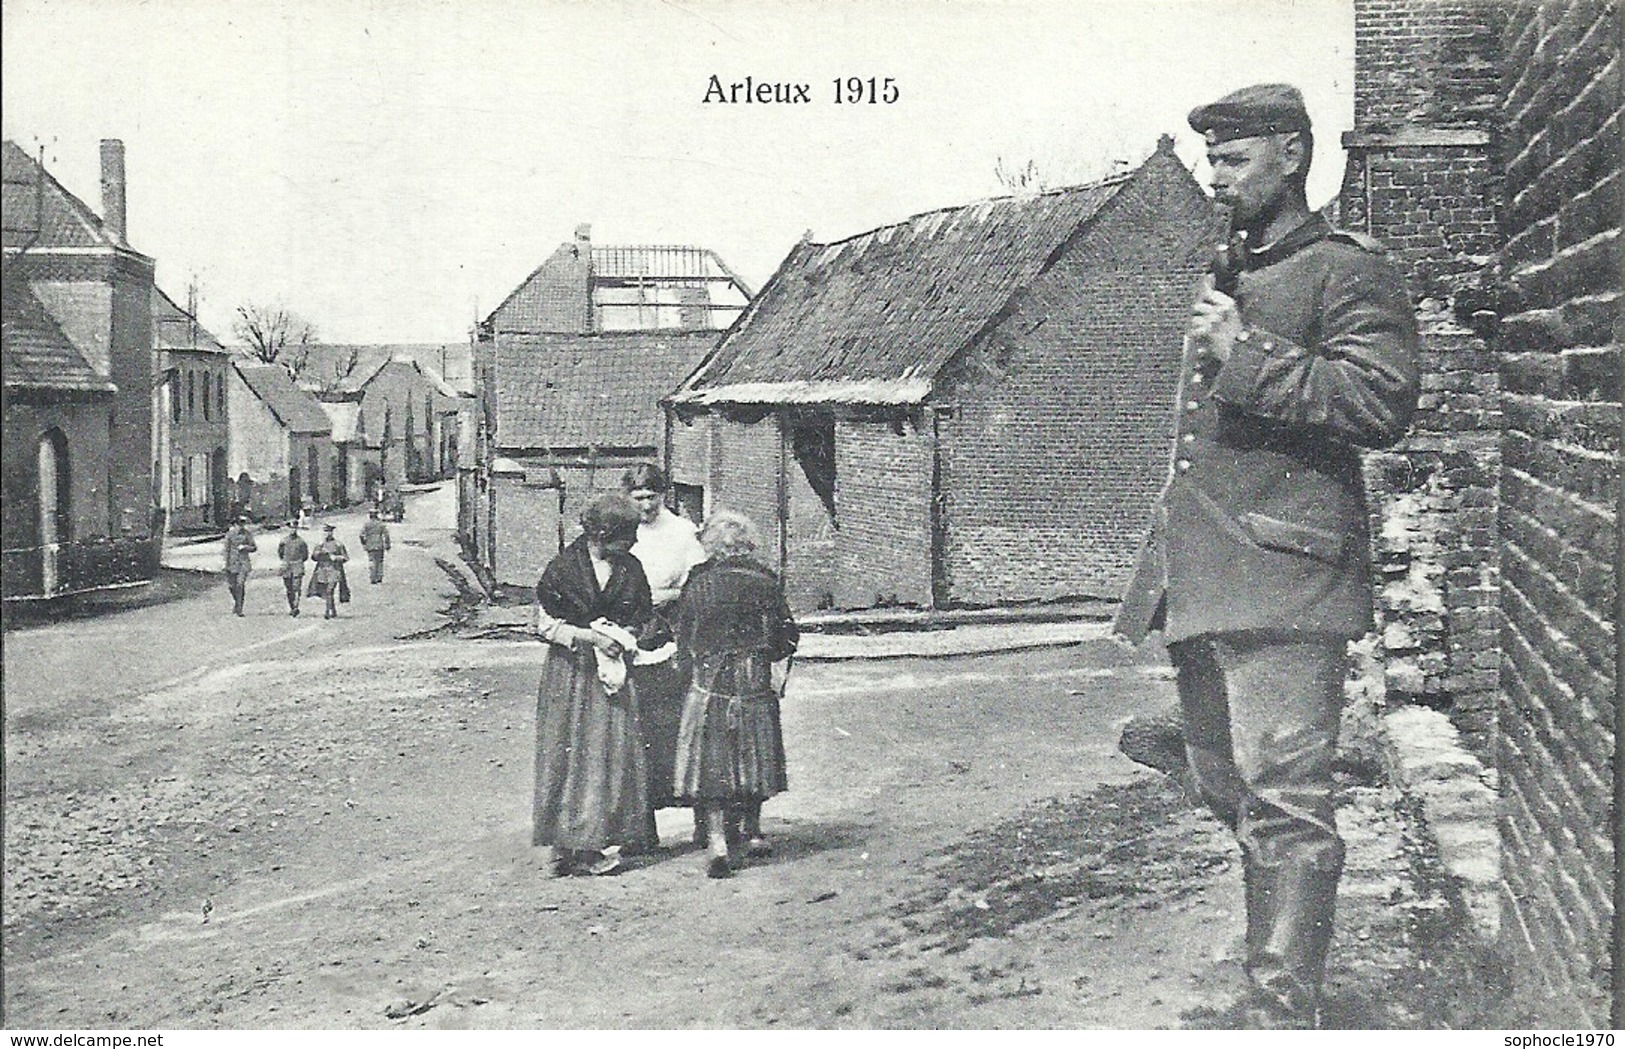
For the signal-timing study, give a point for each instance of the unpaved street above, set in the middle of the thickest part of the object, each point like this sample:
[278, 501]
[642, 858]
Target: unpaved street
[254, 824]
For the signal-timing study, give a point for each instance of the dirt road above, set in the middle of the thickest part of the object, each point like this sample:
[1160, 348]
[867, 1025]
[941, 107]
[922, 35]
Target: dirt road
[332, 831]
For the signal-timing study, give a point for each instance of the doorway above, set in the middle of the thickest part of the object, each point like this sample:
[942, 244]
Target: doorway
[55, 516]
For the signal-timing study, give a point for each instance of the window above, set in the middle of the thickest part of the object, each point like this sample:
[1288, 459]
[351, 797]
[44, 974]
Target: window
[172, 390]
[220, 393]
[191, 394]
[208, 399]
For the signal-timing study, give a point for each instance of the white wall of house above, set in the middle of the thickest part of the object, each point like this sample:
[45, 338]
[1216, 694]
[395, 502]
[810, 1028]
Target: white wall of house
[259, 442]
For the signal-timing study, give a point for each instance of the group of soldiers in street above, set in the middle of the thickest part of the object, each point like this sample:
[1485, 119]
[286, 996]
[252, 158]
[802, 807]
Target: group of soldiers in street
[328, 580]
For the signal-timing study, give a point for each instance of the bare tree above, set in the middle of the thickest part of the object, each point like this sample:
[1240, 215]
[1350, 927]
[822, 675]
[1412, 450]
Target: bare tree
[344, 364]
[275, 334]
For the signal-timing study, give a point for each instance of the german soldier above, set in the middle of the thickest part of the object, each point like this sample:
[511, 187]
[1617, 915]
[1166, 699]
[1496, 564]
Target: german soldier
[238, 548]
[1257, 569]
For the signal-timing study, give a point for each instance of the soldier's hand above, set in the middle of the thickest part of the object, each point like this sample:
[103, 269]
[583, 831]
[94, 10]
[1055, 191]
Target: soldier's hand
[1215, 323]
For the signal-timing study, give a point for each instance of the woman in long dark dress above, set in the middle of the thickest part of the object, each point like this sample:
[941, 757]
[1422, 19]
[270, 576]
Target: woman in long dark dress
[591, 789]
[733, 625]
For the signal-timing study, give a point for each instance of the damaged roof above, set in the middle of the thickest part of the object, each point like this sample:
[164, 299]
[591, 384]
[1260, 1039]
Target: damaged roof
[873, 318]
[580, 391]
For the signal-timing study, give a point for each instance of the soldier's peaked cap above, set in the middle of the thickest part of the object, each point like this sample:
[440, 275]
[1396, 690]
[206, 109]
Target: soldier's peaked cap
[1263, 109]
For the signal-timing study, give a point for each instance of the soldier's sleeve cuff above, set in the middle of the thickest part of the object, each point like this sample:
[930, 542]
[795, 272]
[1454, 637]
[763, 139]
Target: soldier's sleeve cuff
[1238, 380]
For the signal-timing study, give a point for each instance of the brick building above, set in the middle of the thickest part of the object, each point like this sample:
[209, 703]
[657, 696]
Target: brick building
[189, 425]
[573, 412]
[1486, 153]
[608, 298]
[76, 479]
[970, 407]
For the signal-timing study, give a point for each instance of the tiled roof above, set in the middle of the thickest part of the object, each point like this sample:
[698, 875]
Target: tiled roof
[35, 203]
[298, 410]
[36, 354]
[873, 318]
[575, 391]
[175, 329]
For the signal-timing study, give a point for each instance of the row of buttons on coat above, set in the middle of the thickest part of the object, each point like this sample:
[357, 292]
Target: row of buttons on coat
[1197, 379]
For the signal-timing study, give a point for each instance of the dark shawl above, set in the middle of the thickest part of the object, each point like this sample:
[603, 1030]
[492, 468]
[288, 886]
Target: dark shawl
[734, 604]
[569, 590]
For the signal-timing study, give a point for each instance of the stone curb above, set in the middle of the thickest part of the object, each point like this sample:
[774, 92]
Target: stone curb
[968, 640]
[1425, 758]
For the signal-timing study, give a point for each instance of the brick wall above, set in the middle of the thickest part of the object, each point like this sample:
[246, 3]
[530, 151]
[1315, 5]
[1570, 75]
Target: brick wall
[688, 449]
[883, 513]
[131, 349]
[1429, 63]
[84, 423]
[1422, 178]
[745, 475]
[527, 530]
[1560, 370]
[1059, 447]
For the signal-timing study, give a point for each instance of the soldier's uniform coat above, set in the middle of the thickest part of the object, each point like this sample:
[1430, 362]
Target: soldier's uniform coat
[1262, 525]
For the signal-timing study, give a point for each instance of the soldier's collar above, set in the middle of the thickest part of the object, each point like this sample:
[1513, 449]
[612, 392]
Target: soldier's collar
[1315, 229]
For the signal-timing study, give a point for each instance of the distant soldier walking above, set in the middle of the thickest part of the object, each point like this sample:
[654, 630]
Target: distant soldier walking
[375, 541]
[328, 580]
[239, 548]
[1300, 351]
[293, 552]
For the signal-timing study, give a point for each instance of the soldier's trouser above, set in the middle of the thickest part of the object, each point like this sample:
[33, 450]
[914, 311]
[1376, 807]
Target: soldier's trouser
[376, 557]
[237, 583]
[1261, 718]
[293, 584]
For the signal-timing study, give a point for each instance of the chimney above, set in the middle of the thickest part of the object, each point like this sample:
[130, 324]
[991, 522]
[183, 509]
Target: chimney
[113, 187]
[584, 232]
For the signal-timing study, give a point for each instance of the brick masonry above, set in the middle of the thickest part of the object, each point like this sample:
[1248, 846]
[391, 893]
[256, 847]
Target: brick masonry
[883, 485]
[1422, 178]
[1561, 376]
[1059, 448]
[1486, 152]
[746, 470]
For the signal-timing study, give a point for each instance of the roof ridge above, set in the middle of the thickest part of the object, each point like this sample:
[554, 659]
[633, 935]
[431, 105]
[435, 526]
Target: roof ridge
[1115, 179]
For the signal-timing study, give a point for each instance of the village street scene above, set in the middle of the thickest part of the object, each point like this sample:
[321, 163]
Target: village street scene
[1144, 570]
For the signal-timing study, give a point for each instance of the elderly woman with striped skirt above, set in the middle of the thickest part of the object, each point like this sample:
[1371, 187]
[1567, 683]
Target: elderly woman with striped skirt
[733, 625]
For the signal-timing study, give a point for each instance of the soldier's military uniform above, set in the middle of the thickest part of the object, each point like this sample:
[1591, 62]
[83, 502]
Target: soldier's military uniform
[1257, 567]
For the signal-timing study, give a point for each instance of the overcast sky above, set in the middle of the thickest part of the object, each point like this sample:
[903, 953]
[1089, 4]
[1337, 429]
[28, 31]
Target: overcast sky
[389, 169]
